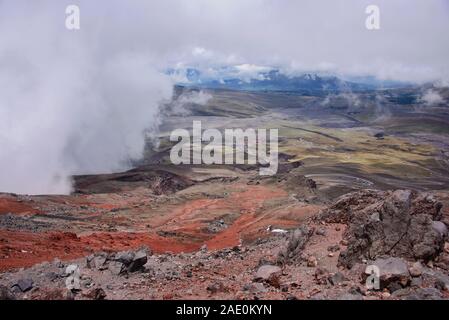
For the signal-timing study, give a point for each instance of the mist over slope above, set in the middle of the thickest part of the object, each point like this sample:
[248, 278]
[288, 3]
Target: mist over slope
[74, 102]
[67, 106]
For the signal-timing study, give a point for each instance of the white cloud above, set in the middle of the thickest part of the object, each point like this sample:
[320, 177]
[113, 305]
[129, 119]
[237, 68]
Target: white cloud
[74, 102]
[431, 97]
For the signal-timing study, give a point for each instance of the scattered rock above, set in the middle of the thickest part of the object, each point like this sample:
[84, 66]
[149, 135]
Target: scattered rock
[334, 248]
[216, 287]
[312, 261]
[265, 272]
[256, 287]
[119, 263]
[96, 294]
[337, 278]
[424, 294]
[296, 244]
[416, 269]
[321, 275]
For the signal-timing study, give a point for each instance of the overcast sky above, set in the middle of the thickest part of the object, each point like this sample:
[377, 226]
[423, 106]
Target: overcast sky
[78, 101]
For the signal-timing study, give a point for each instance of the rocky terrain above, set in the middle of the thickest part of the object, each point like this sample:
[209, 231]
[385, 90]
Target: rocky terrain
[327, 255]
[359, 209]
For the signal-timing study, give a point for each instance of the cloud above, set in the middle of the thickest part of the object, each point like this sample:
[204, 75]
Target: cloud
[318, 35]
[431, 98]
[180, 105]
[66, 106]
[77, 102]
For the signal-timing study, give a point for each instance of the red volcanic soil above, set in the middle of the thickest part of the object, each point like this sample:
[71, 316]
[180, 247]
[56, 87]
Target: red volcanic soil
[8, 205]
[188, 222]
[21, 249]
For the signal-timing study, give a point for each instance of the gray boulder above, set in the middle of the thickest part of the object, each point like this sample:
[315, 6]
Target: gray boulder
[405, 225]
[25, 284]
[266, 272]
[295, 245]
[391, 270]
[440, 227]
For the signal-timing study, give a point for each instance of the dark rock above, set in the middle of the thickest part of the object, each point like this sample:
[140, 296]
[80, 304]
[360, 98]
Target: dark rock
[96, 294]
[425, 294]
[337, 278]
[399, 223]
[379, 135]
[334, 248]
[295, 245]
[321, 275]
[138, 261]
[24, 284]
[216, 287]
[125, 257]
[311, 183]
[394, 286]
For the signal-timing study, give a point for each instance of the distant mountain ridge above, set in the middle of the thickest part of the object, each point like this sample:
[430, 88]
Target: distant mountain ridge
[274, 80]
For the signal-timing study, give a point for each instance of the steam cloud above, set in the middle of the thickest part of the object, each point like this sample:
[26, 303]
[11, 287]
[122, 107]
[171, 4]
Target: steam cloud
[66, 105]
[79, 102]
[431, 97]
